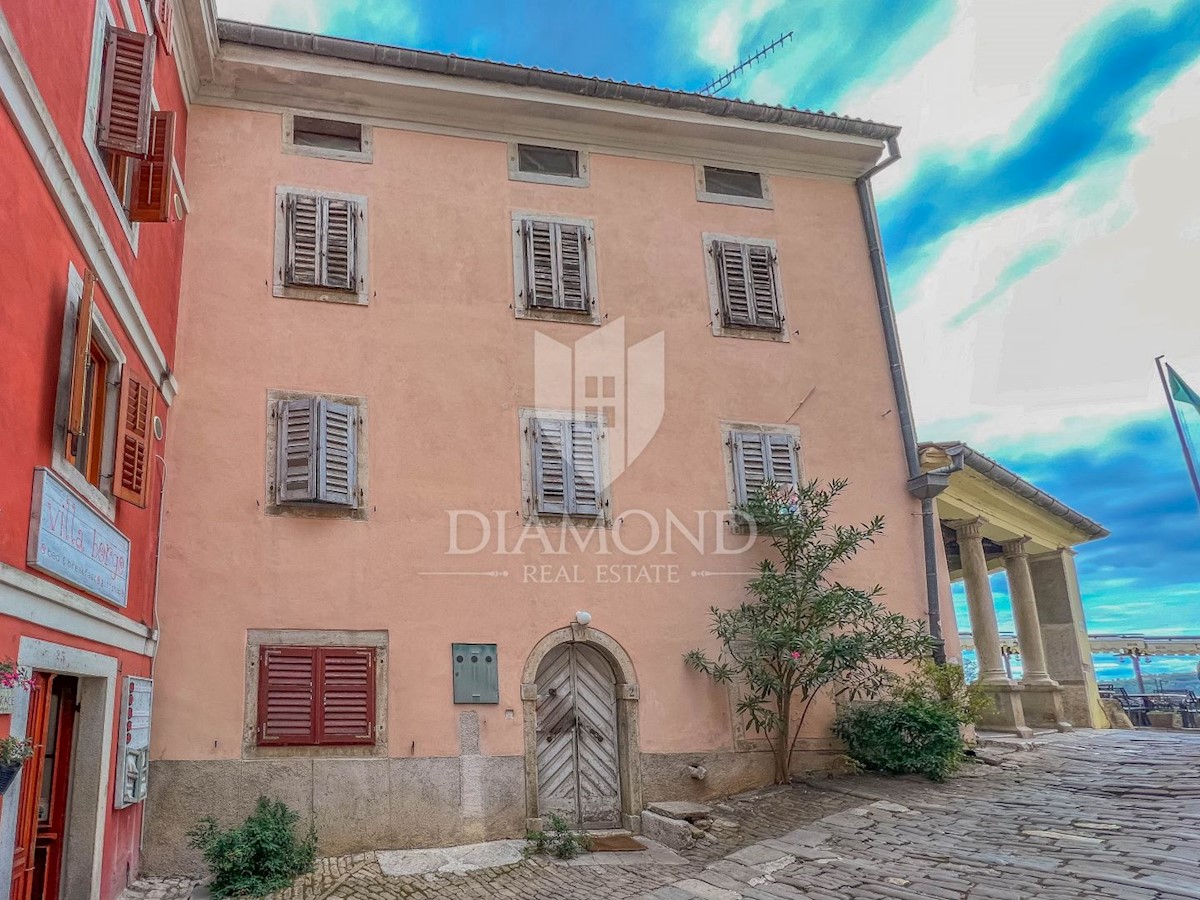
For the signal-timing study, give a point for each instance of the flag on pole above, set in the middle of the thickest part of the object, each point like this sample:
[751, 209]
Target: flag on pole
[1184, 402]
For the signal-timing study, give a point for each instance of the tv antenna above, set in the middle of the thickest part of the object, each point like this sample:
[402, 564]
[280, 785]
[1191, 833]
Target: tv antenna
[723, 81]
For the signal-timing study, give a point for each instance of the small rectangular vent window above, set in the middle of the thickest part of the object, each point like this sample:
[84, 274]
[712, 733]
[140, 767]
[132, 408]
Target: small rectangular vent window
[733, 182]
[327, 133]
[548, 160]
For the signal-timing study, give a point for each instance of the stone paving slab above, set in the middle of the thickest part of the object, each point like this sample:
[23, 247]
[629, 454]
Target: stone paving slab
[1110, 815]
[455, 860]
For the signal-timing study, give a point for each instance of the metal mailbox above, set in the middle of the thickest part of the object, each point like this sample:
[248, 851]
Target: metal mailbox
[476, 673]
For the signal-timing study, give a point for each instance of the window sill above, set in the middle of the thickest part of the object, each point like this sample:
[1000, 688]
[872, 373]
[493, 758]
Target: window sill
[539, 314]
[732, 200]
[324, 295]
[550, 520]
[752, 334]
[103, 502]
[326, 751]
[316, 511]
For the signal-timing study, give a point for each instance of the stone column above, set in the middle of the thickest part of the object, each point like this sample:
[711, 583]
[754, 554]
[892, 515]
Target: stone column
[1025, 614]
[980, 605]
[1064, 635]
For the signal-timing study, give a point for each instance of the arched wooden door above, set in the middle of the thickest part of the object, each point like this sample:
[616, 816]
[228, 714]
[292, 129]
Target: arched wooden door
[578, 775]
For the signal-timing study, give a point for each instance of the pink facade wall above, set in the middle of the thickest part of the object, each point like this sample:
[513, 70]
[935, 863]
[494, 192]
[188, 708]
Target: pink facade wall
[445, 366]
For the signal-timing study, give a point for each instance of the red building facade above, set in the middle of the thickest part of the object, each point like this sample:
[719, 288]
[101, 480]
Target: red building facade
[92, 126]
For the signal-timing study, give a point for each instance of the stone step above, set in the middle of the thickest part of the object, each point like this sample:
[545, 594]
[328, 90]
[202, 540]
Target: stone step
[681, 809]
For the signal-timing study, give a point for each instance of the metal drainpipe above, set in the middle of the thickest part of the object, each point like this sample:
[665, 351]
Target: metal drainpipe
[919, 484]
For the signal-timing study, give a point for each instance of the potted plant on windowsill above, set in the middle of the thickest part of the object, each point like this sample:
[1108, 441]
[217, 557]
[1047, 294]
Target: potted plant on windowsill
[13, 753]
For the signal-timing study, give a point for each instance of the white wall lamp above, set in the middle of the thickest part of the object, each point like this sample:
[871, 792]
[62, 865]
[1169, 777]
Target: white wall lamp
[583, 618]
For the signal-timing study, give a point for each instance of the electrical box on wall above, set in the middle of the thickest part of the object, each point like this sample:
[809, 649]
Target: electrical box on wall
[476, 673]
[133, 742]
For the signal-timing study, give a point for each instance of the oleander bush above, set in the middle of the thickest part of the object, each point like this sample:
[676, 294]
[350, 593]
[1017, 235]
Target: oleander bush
[263, 854]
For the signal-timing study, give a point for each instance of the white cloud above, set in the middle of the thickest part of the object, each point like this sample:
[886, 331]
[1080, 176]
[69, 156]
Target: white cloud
[719, 28]
[301, 15]
[995, 63]
[1069, 349]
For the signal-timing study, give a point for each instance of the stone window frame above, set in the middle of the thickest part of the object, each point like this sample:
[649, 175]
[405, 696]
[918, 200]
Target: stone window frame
[521, 309]
[365, 155]
[582, 180]
[712, 278]
[703, 195]
[529, 513]
[100, 497]
[727, 431]
[359, 297]
[257, 638]
[315, 511]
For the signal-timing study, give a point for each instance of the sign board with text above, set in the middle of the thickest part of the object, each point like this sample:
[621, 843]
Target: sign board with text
[71, 541]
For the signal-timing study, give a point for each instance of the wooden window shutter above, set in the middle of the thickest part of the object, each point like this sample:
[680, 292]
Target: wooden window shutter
[152, 180]
[750, 463]
[303, 219]
[287, 696]
[132, 479]
[164, 16]
[585, 488]
[126, 80]
[296, 440]
[541, 264]
[337, 453]
[733, 284]
[80, 353]
[550, 466]
[781, 458]
[572, 267]
[347, 703]
[339, 231]
[760, 263]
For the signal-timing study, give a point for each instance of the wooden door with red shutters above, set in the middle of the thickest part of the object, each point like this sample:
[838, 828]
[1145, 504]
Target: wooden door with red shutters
[24, 856]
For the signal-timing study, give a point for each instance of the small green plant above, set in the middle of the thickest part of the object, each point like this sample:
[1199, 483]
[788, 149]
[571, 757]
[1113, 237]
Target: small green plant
[559, 841]
[261, 855]
[14, 751]
[899, 737]
[945, 685]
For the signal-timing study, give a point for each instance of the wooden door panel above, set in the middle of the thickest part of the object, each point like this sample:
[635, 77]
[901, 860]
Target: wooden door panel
[557, 781]
[31, 788]
[596, 738]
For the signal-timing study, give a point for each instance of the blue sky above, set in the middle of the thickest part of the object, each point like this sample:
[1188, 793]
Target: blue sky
[1041, 230]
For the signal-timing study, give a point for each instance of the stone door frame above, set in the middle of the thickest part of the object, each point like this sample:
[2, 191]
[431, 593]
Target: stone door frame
[629, 760]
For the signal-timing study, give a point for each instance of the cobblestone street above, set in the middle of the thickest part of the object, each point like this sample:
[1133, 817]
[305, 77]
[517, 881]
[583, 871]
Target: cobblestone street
[1111, 814]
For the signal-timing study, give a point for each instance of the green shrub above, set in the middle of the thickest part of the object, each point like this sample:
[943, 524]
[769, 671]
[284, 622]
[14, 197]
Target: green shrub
[945, 685]
[261, 855]
[902, 737]
[559, 841]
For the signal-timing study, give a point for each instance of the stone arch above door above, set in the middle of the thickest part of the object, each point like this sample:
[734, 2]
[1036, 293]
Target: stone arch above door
[628, 695]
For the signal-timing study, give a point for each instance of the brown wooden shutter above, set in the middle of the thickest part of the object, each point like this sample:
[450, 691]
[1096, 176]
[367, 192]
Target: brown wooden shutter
[128, 74]
[296, 457]
[733, 281]
[347, 702]
[80, 354]
[287, 696]
[132, 479]
[303, 240]
[339, 243]
[337, 453]
[152, 180]
[164, 16]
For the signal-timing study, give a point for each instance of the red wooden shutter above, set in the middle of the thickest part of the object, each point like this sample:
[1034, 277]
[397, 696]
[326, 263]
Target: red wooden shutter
[152, 183]
[164, 15]
[131, 481]
[347, 710]
[79, 360]
[287, 698]
[124, 124]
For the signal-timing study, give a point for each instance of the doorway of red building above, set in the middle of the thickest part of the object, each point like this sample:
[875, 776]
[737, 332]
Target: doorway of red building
[45, 787]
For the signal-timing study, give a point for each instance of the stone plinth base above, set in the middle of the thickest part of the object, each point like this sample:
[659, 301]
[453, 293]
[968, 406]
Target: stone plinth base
[1043, 706]
[1006, 713]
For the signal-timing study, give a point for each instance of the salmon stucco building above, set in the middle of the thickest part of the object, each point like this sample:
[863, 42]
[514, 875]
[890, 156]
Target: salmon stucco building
[479, 359]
